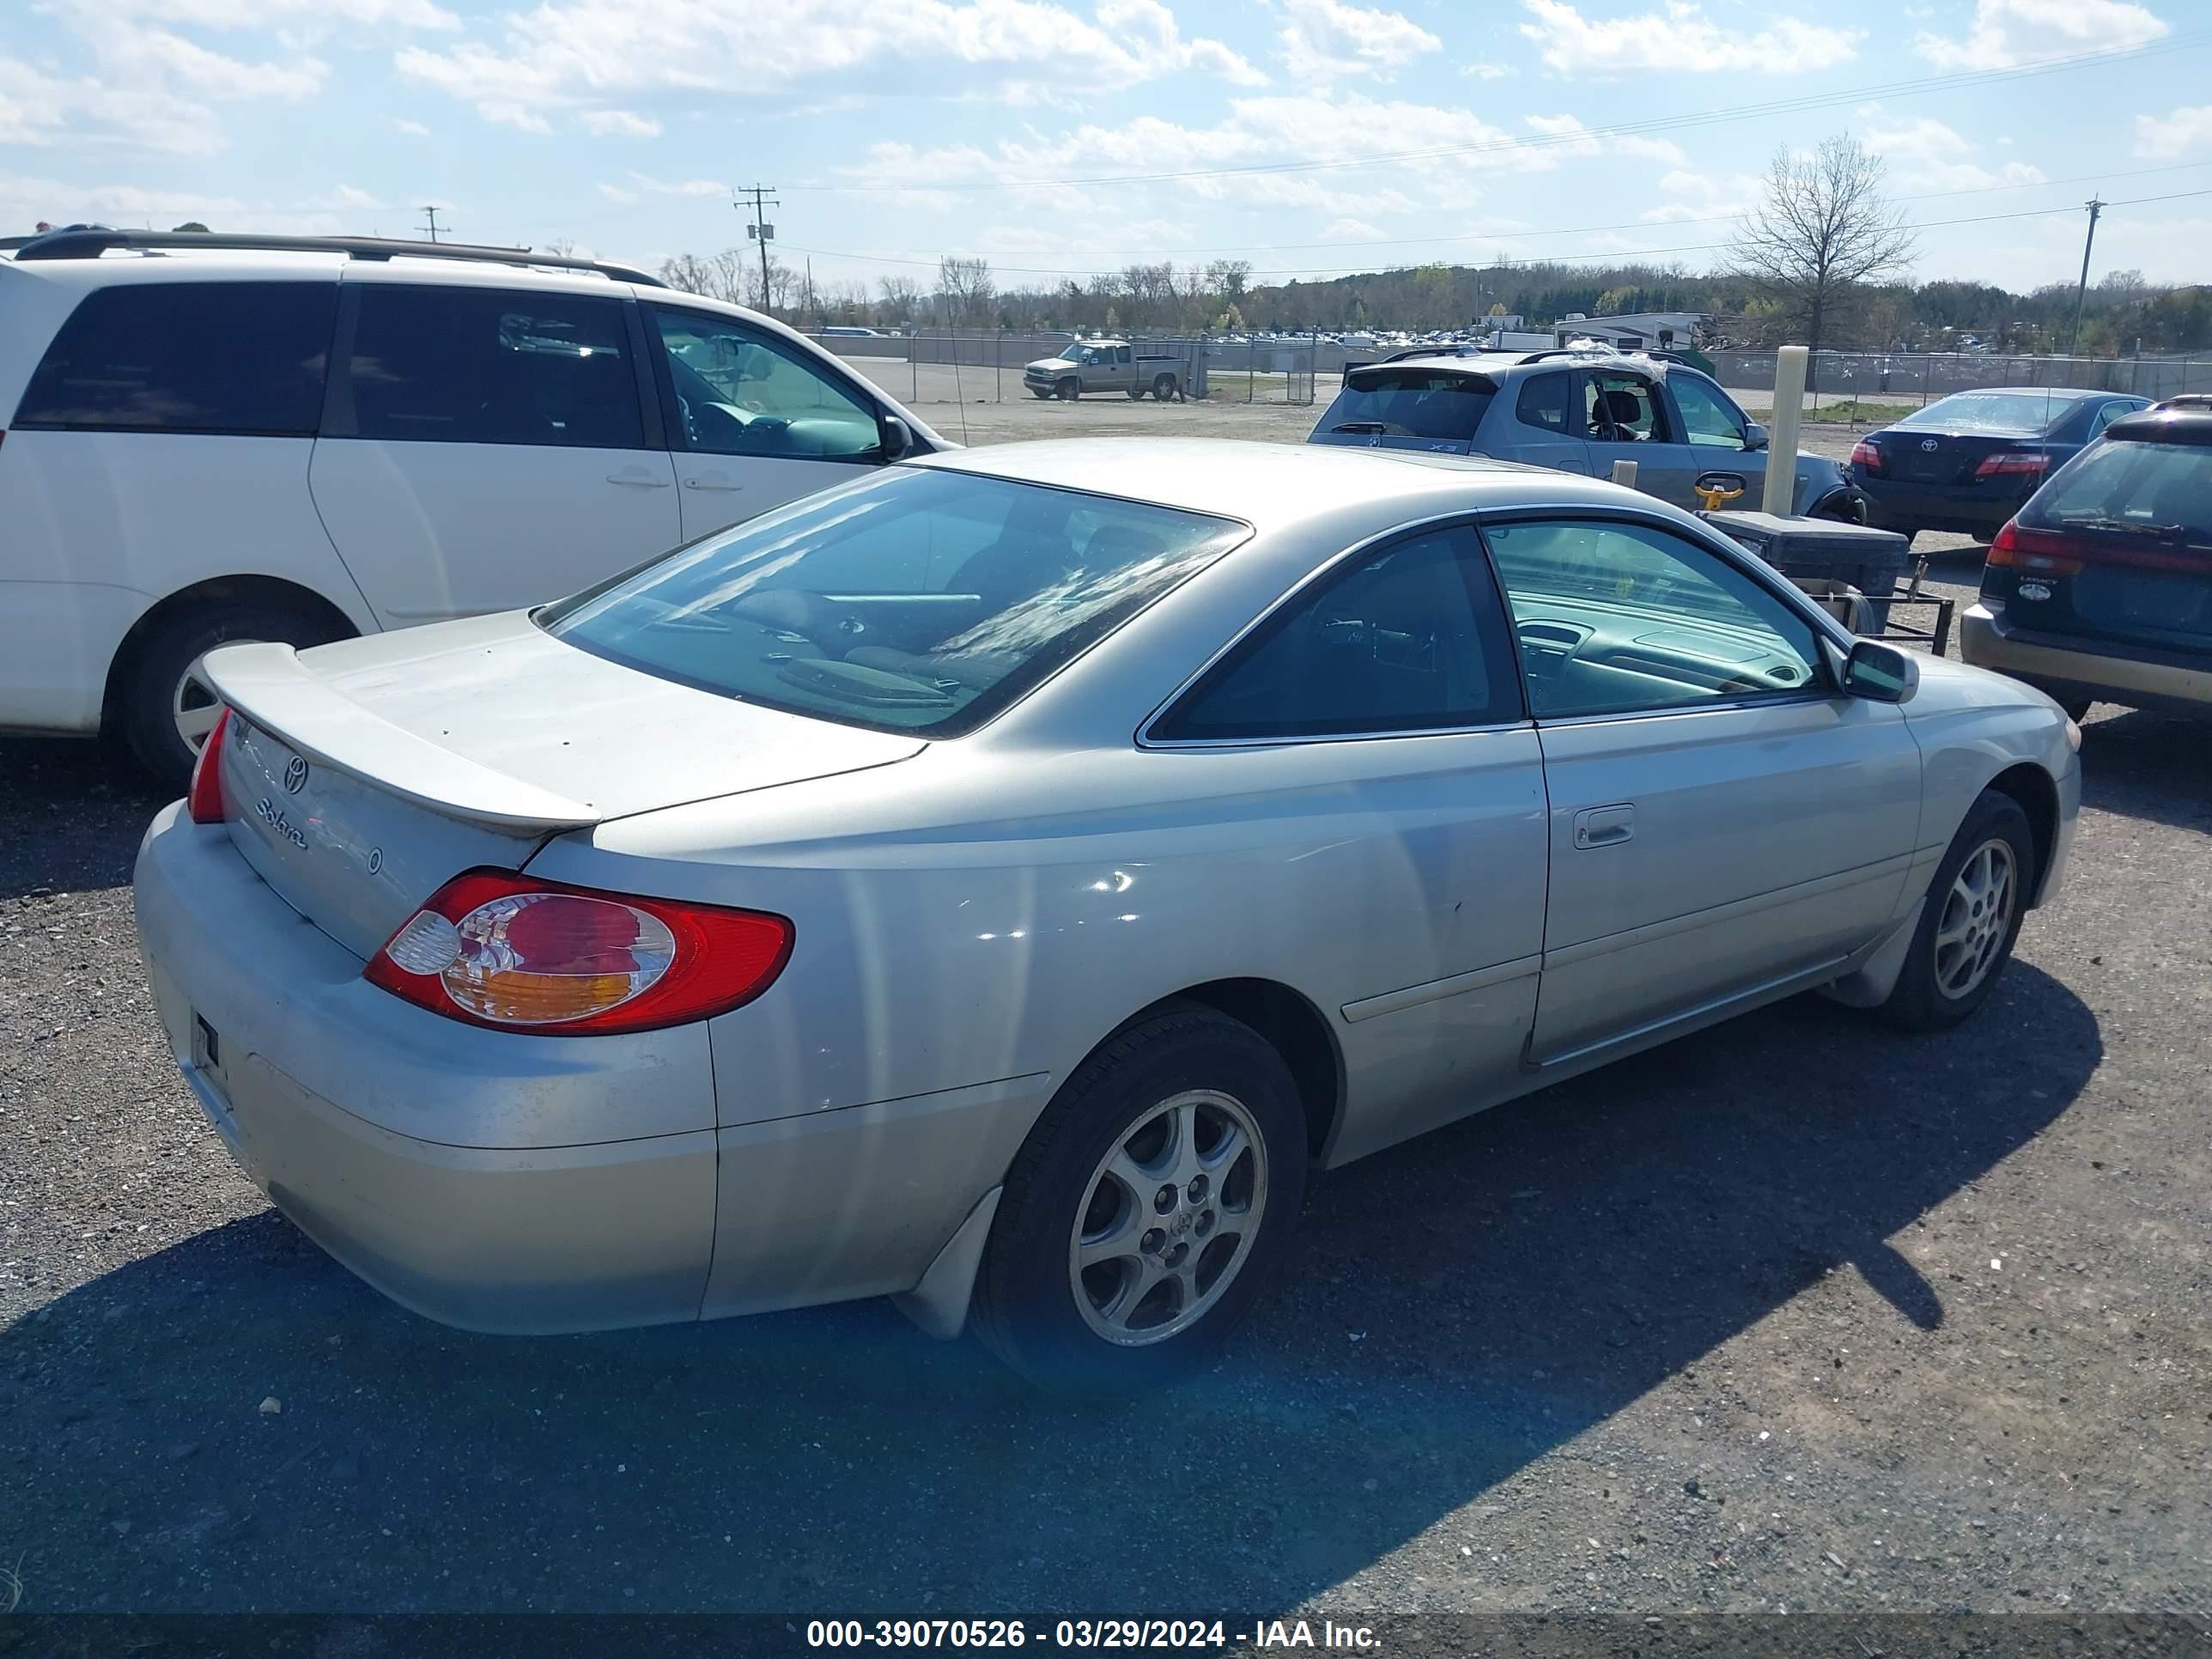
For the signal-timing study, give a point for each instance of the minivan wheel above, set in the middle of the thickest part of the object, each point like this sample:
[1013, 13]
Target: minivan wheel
[1970, 920]
[1070, 390]
[167, 707]
[1149, 1208]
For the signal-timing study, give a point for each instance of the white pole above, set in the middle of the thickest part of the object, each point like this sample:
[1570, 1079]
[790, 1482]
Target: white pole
[1624, 473]
[1781, 437]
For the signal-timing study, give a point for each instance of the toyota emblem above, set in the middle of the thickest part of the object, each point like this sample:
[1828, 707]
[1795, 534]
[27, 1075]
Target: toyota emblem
[1929, 444]
[296, 775]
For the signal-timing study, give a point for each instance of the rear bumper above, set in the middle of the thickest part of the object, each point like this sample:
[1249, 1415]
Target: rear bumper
[1964, 509]
[357, 1121]
[2067, 668]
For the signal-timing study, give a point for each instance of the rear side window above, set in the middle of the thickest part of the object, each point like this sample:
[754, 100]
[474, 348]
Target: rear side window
[1547, 401]
[244, 358]
[485, 366]
[1395, 642]
[1410, 402]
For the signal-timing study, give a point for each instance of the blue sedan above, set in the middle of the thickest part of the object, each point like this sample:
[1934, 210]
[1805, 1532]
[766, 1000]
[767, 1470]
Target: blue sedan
[1967, 462]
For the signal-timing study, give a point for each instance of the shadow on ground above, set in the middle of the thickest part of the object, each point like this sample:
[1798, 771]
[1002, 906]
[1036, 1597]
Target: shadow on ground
[1511, 1282]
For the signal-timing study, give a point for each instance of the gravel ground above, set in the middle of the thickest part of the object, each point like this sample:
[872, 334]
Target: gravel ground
[1795, 1313]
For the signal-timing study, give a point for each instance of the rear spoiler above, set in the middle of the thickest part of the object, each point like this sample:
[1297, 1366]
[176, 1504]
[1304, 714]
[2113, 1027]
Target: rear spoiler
[269, 685]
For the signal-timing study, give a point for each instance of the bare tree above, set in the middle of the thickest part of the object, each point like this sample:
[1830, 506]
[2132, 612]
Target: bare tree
[901, 296]
[965, 287]
[1822, 229]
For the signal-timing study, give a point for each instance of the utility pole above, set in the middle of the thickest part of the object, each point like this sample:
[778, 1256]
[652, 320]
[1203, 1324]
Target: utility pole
[431, 213]
[760, 230]
[2081, 293]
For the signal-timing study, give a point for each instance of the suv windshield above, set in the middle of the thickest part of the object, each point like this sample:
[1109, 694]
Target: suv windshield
[1989, 411]
[916, 601]
[1409, 403]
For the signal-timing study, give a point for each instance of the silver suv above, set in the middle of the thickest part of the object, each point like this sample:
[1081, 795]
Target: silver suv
[1577, 411]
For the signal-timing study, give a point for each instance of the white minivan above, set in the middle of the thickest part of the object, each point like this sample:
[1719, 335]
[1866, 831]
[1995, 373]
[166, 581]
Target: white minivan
[206, 438]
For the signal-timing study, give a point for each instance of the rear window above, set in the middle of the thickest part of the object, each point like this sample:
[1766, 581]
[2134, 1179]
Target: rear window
[2022, 413]
[916, 600]
[225, 357]
[2162, 492]
[1409, 403]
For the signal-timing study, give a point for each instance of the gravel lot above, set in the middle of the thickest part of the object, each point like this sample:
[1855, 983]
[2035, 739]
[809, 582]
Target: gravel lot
[1795, 1313]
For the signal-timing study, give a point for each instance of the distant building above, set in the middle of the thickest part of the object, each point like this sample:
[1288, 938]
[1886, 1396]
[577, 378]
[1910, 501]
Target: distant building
[1642, 331]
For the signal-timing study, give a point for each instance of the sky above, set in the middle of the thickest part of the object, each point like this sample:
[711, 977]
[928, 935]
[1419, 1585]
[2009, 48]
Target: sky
[1058, 138]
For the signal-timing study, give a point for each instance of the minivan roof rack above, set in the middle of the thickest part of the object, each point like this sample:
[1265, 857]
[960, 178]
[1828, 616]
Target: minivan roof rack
[91, 244]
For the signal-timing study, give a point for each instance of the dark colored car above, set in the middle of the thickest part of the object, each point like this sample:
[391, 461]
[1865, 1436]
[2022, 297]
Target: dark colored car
[2100, 590]
[1967, 462]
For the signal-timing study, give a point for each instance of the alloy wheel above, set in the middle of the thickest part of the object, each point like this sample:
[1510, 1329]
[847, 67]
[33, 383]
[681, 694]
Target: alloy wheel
[1977, 919]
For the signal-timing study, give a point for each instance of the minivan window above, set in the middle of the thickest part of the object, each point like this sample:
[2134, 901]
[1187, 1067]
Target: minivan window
[1409, 403]
[486, 365]
[225, 357]
[915, 600]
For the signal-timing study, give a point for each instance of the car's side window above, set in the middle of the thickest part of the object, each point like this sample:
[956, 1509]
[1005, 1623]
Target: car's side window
[2109, 413]
[1406, 637]
[741, 393]
[1547, 402]
[1621, 409]
[1124, 356]
[244, 358]
[1615, 618]
[485, 366]
[1705, 418]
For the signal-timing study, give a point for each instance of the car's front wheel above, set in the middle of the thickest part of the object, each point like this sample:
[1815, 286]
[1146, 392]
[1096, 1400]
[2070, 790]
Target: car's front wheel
[1970, 919]
[1148, 1208]
[1070, 390]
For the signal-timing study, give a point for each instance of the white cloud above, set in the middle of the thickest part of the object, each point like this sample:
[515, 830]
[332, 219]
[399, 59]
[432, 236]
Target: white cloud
[1680, 37]
[1483, 71]
[642, 182]
[1928, 155]
[351, 198]
[1565, 130]
[1352, 230]
[262, 13]
[1695, 196]
[413, 129]
[2176, 134]
[2009, 32]
[619, 124]
[1326, 37]
[564, 53]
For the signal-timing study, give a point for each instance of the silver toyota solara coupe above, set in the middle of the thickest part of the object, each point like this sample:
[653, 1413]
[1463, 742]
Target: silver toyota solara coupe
[1000, 883]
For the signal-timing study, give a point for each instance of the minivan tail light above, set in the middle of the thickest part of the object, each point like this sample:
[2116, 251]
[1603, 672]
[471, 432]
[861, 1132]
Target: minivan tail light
[498, 949]
[1867, 454]
[2012, 463]
[204, 801]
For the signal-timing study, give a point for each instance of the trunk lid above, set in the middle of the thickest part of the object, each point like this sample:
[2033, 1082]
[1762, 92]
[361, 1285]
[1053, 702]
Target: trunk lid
[1946, 457]
[360, 777]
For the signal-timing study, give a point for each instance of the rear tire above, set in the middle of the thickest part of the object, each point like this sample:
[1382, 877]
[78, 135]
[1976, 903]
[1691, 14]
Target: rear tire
[165, 708]
[1149, 1208]
[1970, 920]
[1070, 390]
[1163, 387]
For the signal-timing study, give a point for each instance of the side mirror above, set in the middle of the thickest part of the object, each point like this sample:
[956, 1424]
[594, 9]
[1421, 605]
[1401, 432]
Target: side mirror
[1754, 437]
[1880, 673]
[898, 438]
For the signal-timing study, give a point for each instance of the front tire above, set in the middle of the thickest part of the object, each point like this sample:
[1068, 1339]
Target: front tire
[1148, 1209]
[1970, 920]
[1070, 390]
[167, 707]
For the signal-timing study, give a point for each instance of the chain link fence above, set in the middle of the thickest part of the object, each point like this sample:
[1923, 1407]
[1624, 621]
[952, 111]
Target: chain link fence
[947, 368]
[1842, 381]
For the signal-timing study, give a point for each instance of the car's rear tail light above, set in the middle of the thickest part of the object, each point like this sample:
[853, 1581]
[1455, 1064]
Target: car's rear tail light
[1867, 454]
[2012, 463]
[2067, 552]
[204, 800]
[495, 948]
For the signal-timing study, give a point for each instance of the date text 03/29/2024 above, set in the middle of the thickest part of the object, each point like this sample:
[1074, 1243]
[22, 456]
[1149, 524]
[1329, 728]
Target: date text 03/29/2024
[1125, 1634]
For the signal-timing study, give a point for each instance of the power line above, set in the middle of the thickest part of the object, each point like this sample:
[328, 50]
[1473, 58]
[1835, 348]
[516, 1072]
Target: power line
[1919, 86]
[2081, 293]
[760, 230]
[431, 213]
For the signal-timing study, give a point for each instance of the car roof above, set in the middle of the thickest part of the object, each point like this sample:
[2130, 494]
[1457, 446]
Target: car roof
[2163, 426]
[2048, 392]
[1273, 486]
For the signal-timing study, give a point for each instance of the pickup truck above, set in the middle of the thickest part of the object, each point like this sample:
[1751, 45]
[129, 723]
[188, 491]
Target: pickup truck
[1085, 366]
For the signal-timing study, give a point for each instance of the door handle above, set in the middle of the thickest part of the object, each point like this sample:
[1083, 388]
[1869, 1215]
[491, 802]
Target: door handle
[637, 478]
[710, 483]
[1604, 826]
